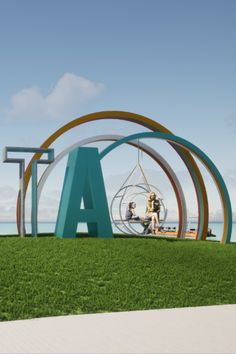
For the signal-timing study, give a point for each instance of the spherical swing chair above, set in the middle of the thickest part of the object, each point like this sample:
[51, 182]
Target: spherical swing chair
[134, 193]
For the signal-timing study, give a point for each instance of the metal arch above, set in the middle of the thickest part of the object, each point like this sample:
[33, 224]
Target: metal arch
[203, 212]
[144, 147]
[214, 172]
[152, 153]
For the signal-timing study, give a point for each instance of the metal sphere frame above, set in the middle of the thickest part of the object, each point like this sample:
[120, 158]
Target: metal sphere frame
[128, 224]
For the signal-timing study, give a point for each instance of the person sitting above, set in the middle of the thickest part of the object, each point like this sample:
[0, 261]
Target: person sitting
[130, 212]
[153, 210]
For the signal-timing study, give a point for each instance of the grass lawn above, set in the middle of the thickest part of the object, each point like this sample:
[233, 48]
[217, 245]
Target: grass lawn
[49, 276]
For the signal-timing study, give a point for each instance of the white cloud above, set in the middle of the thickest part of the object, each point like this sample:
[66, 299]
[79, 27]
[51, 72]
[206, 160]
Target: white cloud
[65, 98]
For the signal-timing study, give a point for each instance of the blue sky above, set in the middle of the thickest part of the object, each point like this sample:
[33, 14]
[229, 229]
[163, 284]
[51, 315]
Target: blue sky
[173, 61]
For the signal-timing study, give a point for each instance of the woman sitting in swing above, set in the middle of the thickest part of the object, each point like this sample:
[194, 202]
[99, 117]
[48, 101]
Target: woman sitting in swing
[130, 212]
[153, 210]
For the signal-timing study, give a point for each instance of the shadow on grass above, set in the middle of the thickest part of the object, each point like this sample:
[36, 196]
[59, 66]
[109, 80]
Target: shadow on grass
[116, 236]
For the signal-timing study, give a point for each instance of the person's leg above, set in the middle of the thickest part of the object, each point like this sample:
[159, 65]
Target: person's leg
[156, 219]
[153, 223]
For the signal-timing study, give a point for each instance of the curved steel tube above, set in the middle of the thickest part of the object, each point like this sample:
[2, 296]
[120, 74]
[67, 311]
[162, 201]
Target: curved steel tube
[203, 213]
[149, 151]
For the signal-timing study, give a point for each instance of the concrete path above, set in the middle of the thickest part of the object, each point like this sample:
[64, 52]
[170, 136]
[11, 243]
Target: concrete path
[209, 329]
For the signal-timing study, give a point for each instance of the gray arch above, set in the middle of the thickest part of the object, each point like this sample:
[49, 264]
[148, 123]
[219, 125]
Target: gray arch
[151, 152]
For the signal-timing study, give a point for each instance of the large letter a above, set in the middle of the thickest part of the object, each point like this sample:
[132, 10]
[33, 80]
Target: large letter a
[83, 181]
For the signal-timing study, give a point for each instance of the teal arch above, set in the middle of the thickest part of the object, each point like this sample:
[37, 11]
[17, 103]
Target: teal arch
[225, 199]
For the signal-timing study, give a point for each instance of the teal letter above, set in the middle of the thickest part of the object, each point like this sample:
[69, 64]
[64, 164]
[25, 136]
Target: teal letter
[83, 181]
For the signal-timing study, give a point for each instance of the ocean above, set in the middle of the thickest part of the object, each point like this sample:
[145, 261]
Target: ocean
[9, 228]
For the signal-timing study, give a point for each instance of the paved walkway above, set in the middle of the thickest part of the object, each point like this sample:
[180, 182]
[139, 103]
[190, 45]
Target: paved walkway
[209, 329]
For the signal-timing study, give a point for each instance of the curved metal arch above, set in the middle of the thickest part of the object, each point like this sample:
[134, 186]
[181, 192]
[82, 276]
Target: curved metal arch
[215, 174]
[149, 151]
[203, 212]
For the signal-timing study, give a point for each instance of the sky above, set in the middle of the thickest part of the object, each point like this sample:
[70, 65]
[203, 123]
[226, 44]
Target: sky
[173, 61]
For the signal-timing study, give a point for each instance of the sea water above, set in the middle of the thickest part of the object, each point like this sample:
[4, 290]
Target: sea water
[10, 228]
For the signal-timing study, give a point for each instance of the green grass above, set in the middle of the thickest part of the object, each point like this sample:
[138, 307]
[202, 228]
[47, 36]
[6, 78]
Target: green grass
[48, 276]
